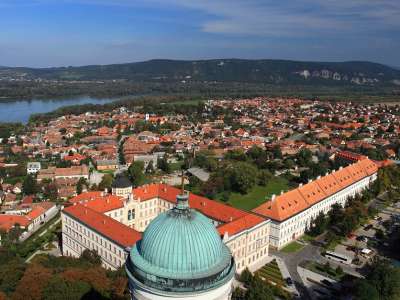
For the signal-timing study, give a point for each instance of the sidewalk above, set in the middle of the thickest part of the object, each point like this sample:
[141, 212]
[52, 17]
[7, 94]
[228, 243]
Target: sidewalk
[285, 274]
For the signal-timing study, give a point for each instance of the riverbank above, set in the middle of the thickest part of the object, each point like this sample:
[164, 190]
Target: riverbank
[20, 110]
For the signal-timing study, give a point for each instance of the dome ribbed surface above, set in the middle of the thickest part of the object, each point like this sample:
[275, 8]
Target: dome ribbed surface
[180, 252]
[182, 242]
[121, 182]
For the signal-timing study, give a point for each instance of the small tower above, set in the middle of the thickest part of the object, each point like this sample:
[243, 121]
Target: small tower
[121, 186]
[180, 256]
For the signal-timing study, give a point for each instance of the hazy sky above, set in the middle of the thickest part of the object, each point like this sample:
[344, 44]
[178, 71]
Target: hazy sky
[44, 33]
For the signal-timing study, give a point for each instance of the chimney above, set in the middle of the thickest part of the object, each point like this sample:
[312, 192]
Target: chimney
[281, 192]
[104, 221]
[300, 185]
[319, 177]
[273, 197]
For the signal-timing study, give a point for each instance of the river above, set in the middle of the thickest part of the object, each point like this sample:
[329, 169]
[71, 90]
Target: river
[20, 110]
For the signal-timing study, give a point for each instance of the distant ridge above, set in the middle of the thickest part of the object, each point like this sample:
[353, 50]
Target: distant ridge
[222, 70]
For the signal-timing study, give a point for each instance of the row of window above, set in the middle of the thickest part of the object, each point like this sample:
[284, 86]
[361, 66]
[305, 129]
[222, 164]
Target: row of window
[297, 225]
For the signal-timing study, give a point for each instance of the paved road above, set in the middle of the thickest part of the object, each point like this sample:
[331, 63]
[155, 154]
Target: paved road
[54, 251]
[292, 260]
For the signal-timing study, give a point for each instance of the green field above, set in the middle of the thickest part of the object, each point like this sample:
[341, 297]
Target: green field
[292, 247]
[258, 194]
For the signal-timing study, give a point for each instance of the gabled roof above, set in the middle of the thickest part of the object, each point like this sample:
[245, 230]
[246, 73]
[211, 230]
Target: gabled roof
[344, 177]
[283, 206]
[238, 225]
[113, 230]
[295, 201]
[88, 196]
[329, 184]
[105, 204]
[369, 166]
[212, 209]
[312, 192]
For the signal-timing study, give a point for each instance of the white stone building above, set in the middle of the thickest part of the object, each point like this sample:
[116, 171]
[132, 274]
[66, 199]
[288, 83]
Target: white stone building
[292, 212]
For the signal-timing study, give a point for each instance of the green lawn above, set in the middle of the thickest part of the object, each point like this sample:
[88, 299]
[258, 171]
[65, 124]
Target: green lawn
[292, 247]
[325, 270]
[272, 273]
[258, 194]
[176, 166]
[307, 238]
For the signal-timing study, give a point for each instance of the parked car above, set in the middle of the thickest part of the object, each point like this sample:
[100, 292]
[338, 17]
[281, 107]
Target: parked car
[351, 248]
[362, 238]
[351, 236]
[326, 282]
[368, 227]
[289, 281]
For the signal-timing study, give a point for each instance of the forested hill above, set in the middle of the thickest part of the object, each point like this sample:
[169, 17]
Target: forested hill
[222, 70]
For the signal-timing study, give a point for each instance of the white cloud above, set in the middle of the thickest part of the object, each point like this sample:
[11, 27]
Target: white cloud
[271, 17]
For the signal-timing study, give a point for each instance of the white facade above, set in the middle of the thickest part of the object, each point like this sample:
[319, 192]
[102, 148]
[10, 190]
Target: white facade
[249, 247]
[76, 237]
[141, 292]
[33, 167]
[282, 233]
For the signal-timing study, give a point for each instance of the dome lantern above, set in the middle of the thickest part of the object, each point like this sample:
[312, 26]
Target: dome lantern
[180, 254]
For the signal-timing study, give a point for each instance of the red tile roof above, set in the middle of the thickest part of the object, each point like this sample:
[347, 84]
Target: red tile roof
[213, 209]
[86, 197]
[105, 204]
[240, 224]
[8, 221]
[104, 225]
[295, 201]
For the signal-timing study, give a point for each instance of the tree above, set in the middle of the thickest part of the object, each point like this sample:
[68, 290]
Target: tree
[386, 280]
[304, 157]
[276, 151]
[32, 283]
[263, 177]
[319, 225]
[91, 256]
[163, 164]
[29, 185]
[365, 291]
[50, 191]
[150, 168]
[14, 233]
[236, 154]
[80, 184]
[258, 290]
[243, 177]
[255, 153]
[238, 294]
[106, 182]
[11, 272]
[135, 172]
[60, 289]
[246, 276]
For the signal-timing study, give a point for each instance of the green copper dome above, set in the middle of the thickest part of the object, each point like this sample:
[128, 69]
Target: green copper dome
[181, 251]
